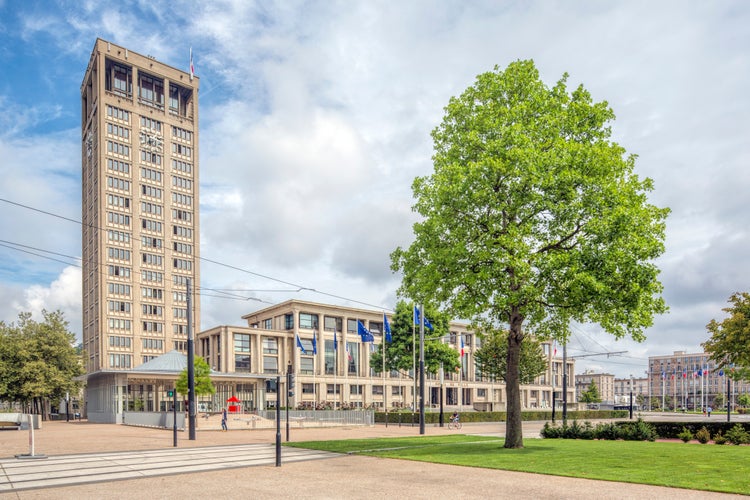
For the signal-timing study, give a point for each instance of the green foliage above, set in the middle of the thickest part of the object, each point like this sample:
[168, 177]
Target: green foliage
[591, 395]
[629, 431]
[399, 354]
[718, 400]
[432, 417]
[738, 435]
[202, 374]
[685, 435]
[719, 438]
[491, 359]
[729, 344]
[638, 431]
[703, 436]
[743, 400]
[38, 360]
[533, 218]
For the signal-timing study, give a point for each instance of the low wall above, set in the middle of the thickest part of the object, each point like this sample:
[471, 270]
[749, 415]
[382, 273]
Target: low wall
[23, 418]
[160, 419]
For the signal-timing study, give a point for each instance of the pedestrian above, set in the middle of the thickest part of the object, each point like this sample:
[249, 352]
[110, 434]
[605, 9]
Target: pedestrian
[709, 409]
[224, 420]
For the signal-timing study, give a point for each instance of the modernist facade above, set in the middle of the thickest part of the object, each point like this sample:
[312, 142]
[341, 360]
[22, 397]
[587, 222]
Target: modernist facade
[690, 381]
[338, 374]
[140, 245]
[605, 384]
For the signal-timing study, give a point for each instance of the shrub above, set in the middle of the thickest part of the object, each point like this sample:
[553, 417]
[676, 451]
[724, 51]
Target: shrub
[638, 431]
[610, 431]
[737, 435]
[719, 438]
[550, 431]
[685, 435]
[572, 431]
[703, 436]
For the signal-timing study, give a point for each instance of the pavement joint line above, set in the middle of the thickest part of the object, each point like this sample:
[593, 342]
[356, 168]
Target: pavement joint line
[66, 470]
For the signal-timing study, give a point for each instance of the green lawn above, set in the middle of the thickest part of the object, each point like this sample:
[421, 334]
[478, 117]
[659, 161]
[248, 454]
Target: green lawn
[679, 465]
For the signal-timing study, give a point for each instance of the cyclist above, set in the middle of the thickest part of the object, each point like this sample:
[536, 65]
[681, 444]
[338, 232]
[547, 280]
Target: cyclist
[454, 418]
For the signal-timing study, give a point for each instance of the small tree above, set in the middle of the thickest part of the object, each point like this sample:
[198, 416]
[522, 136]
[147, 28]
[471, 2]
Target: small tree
[743, 400]
[719, 400]
[640, 400]
[729, 344]
[202, 373]
[591, 395]
[404, 346]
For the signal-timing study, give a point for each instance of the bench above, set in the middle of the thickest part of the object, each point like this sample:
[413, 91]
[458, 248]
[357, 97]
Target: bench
[10, 425]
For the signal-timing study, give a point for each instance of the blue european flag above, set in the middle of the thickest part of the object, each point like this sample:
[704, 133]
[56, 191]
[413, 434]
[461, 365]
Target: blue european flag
[388, 337]
[315, 343]
[335, 340]
[299, 344]
[364, 333]
[418, 320]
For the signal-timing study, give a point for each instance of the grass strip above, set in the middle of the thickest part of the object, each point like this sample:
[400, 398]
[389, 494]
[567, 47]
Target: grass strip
[677, 465]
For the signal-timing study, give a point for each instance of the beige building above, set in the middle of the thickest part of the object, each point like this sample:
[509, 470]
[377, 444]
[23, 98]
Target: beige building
[605, 384]
[340, 376]
[139, 127]
[140, 245]
[690, 381]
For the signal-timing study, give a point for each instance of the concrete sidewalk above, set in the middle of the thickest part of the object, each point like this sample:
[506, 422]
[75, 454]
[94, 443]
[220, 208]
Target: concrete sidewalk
[340, 477]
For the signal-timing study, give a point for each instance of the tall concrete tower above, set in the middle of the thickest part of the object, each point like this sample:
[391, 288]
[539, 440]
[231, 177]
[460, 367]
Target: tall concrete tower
[139, 151]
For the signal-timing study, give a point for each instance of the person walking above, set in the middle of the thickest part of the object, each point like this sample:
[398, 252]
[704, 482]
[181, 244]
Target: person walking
[224, 420]
[709, 409]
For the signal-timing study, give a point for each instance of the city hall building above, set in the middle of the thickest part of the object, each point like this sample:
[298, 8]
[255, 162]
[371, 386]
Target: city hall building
[140, 218]
[339, 374]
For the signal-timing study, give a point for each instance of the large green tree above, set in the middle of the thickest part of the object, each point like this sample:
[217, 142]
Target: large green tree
[533, 218]
[729, 344]
[403, 349]
[492, 358]
[38, 360]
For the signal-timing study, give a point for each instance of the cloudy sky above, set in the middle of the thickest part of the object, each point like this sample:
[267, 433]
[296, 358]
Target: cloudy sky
[315, 119]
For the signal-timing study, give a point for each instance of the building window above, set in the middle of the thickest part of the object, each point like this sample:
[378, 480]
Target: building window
[267, 324]
[306, 365]
[330, 357]
[377, 390]
[351, 326]
[118, 78]
[376, 326]
[242, 363]
[397, 390]
[289, 321]
[333, 389]
[355, 390]
[271, 386]
[330, 323]
[308, 388]
[270, 345]
[270, 364]
[308, 321]
[151, 90]
[242, 342]
[352, 353]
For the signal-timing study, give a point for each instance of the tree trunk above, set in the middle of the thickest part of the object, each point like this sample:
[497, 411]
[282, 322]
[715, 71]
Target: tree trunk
[513, 422]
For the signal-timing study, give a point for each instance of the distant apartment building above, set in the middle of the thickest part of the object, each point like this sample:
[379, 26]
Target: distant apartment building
[637, 386]
[605, 383]
[140, 236]
[690, 381]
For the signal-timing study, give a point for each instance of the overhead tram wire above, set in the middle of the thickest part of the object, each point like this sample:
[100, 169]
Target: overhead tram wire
[229, 266]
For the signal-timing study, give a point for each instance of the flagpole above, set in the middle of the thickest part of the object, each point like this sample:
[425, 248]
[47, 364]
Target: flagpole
[315, 387]
[414, 358]
[335, 369]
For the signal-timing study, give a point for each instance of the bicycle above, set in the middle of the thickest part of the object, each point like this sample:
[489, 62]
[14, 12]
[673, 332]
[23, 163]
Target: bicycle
[454, 424]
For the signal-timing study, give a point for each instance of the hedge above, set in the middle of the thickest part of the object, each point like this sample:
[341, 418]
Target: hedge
[671, 430]
[496, 416]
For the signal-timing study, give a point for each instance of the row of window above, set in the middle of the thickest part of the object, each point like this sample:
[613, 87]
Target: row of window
[119, 80]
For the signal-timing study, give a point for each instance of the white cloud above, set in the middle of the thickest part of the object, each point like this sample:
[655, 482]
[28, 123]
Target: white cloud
[315, 119]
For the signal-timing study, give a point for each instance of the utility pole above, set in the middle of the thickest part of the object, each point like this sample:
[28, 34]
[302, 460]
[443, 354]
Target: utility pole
[565, 383]
[191, 365]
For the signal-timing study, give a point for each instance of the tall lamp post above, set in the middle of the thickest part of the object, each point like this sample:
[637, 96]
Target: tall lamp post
[631, 396]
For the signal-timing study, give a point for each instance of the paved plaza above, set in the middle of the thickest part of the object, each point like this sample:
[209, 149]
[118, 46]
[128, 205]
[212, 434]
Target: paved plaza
[115, 461]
